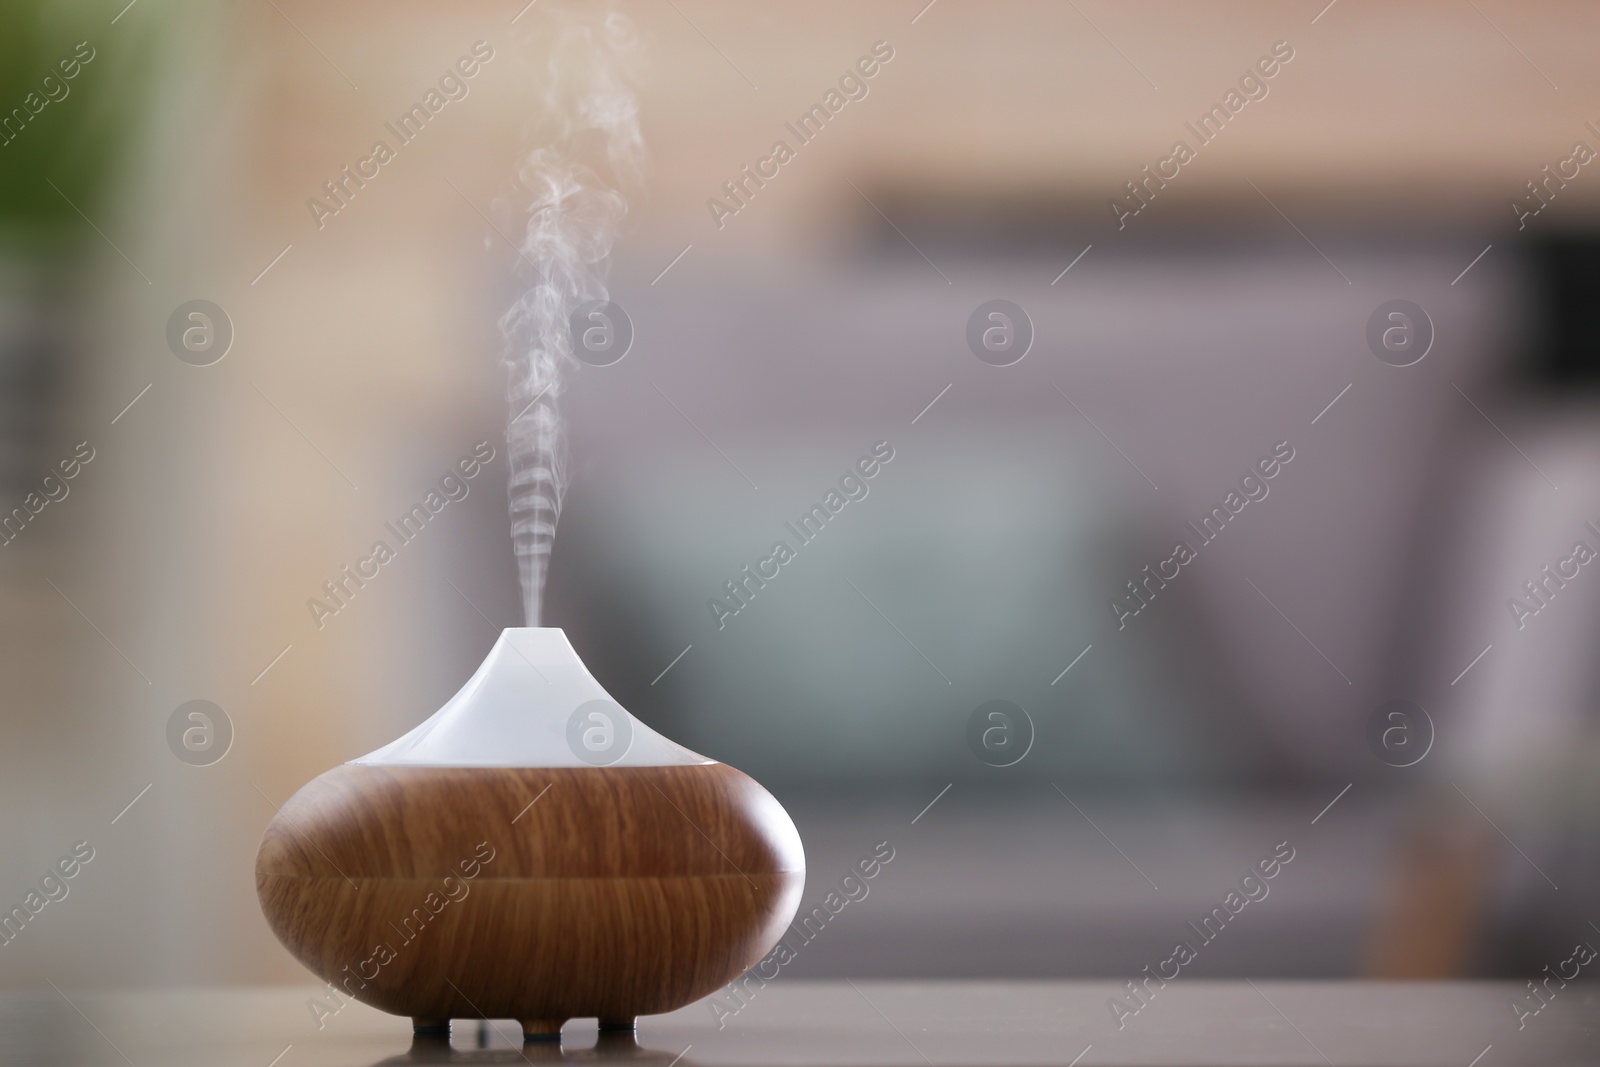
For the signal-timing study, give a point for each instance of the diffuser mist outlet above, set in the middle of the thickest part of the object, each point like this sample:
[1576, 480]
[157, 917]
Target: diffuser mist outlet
[530, 851]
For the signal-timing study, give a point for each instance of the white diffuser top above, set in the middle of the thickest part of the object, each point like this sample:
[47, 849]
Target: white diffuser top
[532, 703]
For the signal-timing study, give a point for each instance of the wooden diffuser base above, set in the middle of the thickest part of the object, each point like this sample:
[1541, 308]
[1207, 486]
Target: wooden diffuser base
[539, 894]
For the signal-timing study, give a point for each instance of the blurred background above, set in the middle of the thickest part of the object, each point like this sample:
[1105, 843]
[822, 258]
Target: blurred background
[1244, 707]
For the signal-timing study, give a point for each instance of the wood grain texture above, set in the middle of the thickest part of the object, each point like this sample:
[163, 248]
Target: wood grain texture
[441, 893]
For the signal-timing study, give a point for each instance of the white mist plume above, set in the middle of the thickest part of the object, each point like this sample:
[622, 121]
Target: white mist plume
[571, 189]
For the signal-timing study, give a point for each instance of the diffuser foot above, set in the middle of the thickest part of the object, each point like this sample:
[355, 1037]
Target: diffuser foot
[617, 1045]
[430, 1028]
[540, 1030]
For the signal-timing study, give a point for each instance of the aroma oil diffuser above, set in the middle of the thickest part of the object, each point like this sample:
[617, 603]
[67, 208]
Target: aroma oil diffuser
[530, 852]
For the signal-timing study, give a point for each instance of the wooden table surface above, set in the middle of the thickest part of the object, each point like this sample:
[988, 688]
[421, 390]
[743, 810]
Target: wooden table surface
[800, 1023]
